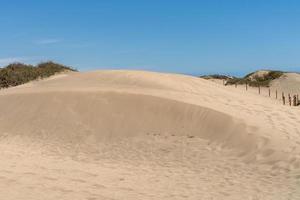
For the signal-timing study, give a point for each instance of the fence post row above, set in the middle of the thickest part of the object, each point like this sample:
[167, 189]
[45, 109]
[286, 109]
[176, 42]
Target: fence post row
[293, 99]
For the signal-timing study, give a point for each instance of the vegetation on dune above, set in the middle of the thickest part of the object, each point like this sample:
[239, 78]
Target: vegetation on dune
[216, 76]
[19, 73]
[255, 80]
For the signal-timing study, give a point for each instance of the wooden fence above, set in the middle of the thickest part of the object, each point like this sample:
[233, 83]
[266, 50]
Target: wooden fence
[289, 99]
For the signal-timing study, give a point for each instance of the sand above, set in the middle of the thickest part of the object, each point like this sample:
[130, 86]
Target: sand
[288, 83]
[144, 135]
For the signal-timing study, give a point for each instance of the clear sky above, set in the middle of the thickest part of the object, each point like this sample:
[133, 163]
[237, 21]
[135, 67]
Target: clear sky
[187, 36]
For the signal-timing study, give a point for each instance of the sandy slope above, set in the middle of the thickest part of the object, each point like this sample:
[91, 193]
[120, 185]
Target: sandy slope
[289, 83]
[145, 135]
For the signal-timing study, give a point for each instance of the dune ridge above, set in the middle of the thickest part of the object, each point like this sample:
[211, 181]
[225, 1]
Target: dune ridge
[110, 101]
[88, 111]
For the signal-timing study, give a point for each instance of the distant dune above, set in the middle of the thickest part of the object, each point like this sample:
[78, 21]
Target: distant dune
[289, 82]
[145, 135]
[264, 78]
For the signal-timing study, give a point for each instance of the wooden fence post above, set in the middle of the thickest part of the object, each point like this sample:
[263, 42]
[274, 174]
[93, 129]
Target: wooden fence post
[283, 99]
[258, 89]
[295, 100]
[269, 92]
[290, 100]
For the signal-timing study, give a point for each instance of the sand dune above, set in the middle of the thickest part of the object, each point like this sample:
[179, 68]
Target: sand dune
[145, 135]
[289, 83]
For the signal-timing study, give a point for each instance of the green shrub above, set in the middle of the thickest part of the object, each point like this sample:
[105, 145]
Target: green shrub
[256, 81]
[19, 73]
[215, 76]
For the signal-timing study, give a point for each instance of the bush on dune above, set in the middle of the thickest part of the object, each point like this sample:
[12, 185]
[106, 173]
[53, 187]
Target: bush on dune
[255, 80]
[19, 73]
[216, 76]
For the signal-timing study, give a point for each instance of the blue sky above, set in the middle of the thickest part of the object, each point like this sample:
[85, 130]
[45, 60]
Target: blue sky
[187, 36]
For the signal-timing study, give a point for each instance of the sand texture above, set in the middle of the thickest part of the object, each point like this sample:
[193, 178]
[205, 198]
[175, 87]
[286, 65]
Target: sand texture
[144, 135]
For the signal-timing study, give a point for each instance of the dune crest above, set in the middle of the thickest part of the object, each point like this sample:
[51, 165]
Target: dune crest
[99, 104]
[154, 113]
